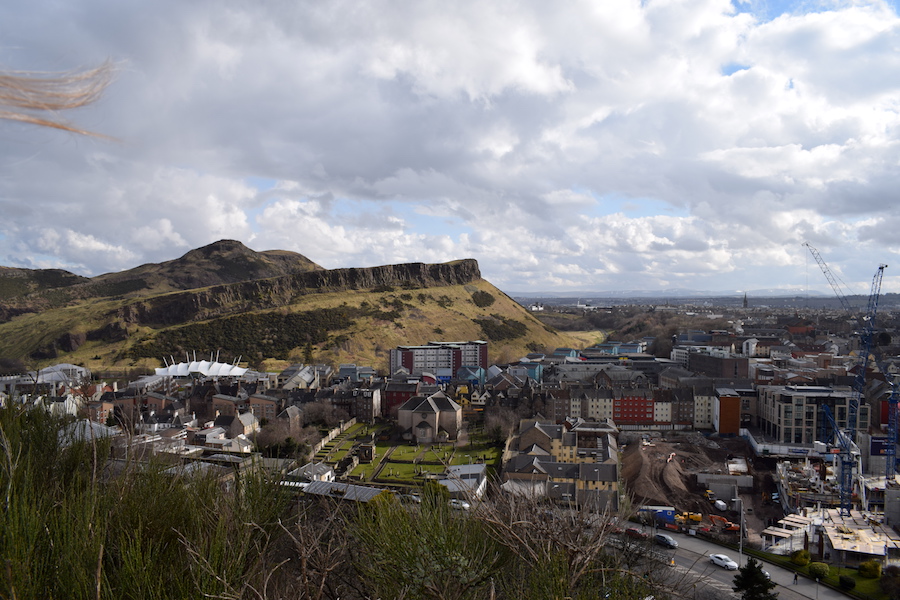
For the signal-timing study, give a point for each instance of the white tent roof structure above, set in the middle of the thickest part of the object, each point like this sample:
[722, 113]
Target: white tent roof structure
[202, 367]
[63, 373]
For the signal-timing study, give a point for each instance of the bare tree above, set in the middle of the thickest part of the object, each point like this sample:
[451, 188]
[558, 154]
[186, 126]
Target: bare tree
[317, 562]
[572, 552]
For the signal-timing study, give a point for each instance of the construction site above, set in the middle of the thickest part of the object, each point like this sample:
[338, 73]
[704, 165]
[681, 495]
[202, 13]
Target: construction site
[706, 480]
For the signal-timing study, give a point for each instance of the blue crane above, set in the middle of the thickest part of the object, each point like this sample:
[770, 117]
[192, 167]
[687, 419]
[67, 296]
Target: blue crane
[849, 453]
[866, 338]
[846, 438]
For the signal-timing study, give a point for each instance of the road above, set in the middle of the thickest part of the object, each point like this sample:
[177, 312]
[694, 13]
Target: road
[692, 556]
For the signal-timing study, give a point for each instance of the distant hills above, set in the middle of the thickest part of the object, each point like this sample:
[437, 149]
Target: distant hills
[671, 293]
[230, 299]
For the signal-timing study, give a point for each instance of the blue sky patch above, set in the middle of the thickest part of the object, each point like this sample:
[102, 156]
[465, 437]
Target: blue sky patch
[732, 68]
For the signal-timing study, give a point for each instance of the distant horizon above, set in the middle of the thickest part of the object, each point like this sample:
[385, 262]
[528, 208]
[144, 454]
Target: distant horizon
[675, 294]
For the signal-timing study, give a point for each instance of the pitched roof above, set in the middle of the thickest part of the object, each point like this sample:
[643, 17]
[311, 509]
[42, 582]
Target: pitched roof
[436, 403]
[346, 491]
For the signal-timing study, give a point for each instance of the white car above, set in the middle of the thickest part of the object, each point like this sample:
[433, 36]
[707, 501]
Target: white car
[723, 561]
[459, 504]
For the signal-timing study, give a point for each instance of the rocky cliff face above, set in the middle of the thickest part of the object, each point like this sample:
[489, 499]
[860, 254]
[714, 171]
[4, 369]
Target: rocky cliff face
[217, 301]
[220, 263]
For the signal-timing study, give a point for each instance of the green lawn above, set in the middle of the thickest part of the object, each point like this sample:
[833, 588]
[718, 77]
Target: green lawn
[405, 452]
[339, 455]
[355, 430]
[364, 470]
[865, 587]
[442, 454]
[409, 471]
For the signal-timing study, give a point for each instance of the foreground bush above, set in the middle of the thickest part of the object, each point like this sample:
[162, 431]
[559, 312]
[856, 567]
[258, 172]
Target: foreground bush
[77, 523]
[890, 582]
[819, 570]
[870, 569]
[74, 523]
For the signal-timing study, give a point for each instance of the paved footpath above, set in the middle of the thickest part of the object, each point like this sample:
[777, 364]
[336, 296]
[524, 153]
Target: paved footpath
[787, 590]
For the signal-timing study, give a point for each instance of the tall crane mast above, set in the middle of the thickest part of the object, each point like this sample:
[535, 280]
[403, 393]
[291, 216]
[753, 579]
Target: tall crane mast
[846, 439]
[850, 460]
[865, 349]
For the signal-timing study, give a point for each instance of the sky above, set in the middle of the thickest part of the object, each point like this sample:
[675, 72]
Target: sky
[596, 145]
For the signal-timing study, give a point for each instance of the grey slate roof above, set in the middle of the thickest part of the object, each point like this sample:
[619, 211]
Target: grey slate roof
[437, 402]
[345, 491]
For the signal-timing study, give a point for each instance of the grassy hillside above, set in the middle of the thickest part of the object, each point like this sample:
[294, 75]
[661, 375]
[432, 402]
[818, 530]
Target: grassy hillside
[356, 326]
[226, 298]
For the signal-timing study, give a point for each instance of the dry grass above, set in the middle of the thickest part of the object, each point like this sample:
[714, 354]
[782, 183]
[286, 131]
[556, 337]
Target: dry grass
[446, 313]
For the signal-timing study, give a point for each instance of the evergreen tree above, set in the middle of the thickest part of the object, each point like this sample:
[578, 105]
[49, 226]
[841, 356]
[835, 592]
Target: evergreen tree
[752, 582]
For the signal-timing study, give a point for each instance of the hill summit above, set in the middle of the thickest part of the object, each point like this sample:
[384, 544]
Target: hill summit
[227, 298]
[225, 261]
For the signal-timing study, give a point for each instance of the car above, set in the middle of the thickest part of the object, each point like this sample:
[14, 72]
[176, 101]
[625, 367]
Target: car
[634, 532]
[459, 504]
[665, 540]
[410, 499]
[721, 560]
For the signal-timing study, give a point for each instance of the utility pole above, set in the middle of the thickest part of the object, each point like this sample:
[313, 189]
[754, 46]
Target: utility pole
[740, 530]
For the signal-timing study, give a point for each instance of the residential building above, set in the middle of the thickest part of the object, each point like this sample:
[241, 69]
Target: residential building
[573, 462]
[439, 355]
[727, 412]
[794, 414]
[264, 407]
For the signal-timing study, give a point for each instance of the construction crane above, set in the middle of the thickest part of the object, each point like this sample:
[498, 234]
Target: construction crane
[850, 461]
[831, 279]
[846, 438]
[866, 338]
[890, 457]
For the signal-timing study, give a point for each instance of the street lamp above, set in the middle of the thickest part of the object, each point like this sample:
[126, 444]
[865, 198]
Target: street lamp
[740, 530]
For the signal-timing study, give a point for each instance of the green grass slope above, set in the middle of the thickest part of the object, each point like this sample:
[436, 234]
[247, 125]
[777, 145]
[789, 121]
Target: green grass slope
[358, 326]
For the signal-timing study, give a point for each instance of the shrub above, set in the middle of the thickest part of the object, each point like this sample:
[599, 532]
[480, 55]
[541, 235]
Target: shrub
[890, 582]
[482, 299]
[870, 569]
[498, 328]
[847, 582]
[800, 557]
[819, 570]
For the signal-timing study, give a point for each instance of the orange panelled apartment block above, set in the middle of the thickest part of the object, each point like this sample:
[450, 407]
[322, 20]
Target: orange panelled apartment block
[727, 412]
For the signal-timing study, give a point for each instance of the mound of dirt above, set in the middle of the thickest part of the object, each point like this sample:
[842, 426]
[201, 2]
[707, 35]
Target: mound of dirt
[662, 472]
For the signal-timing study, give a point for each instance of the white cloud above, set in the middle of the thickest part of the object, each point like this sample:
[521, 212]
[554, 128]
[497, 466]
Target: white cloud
[535, 138]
